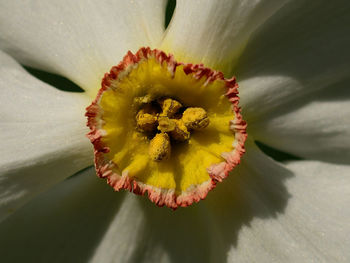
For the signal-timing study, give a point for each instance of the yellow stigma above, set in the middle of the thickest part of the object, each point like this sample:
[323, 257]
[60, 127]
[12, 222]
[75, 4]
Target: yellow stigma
[180, 133]
[165, 124]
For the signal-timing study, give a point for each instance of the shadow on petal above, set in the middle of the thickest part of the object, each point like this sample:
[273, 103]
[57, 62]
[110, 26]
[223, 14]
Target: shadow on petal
[303, 40]
[335, 93]
[297, 59]
[313, 127]
[299, 50]
[64, 224]
[206, 231]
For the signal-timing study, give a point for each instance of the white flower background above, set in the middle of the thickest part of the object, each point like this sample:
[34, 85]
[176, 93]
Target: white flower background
[292, 62]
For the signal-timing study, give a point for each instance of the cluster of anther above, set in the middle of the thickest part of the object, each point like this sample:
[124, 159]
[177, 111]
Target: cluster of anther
[169, 124]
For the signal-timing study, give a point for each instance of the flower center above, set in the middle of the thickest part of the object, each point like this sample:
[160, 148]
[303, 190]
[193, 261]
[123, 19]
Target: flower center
[167, 128]
[169, 124]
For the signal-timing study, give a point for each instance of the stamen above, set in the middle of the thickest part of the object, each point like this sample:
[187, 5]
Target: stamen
[169, 106]
[195, 118]
[176, 129]
[180, 133]
[146, 119]
[159, 148]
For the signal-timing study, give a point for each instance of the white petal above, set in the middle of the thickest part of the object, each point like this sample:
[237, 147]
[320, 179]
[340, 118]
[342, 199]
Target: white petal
[214, 33]
[304, 47]
[42, 135]
[314, 226]
[80, 40]
[64, 224]
[316, 126]
[203, 232]
[261, 213]
[127, 238]
[82, 216]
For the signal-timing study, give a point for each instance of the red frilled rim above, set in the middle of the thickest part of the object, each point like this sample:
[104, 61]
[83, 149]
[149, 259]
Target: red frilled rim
[161, 197]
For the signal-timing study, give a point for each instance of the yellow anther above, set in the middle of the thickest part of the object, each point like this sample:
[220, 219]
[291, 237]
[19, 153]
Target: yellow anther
[146, 119]
[180, 133]
[169, 106]
[195, 118]
[159, 148]
[165, 124]
[170, 122]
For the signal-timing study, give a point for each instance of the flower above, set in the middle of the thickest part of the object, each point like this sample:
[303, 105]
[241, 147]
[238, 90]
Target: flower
[292, 64]
[169, 149]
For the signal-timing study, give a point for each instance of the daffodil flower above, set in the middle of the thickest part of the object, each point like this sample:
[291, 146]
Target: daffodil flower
[166, 123]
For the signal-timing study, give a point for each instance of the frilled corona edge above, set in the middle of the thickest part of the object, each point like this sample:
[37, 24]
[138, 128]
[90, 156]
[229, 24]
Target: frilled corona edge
[106, 168]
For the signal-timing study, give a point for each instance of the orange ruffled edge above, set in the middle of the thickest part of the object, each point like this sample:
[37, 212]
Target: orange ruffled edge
[159, 196]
